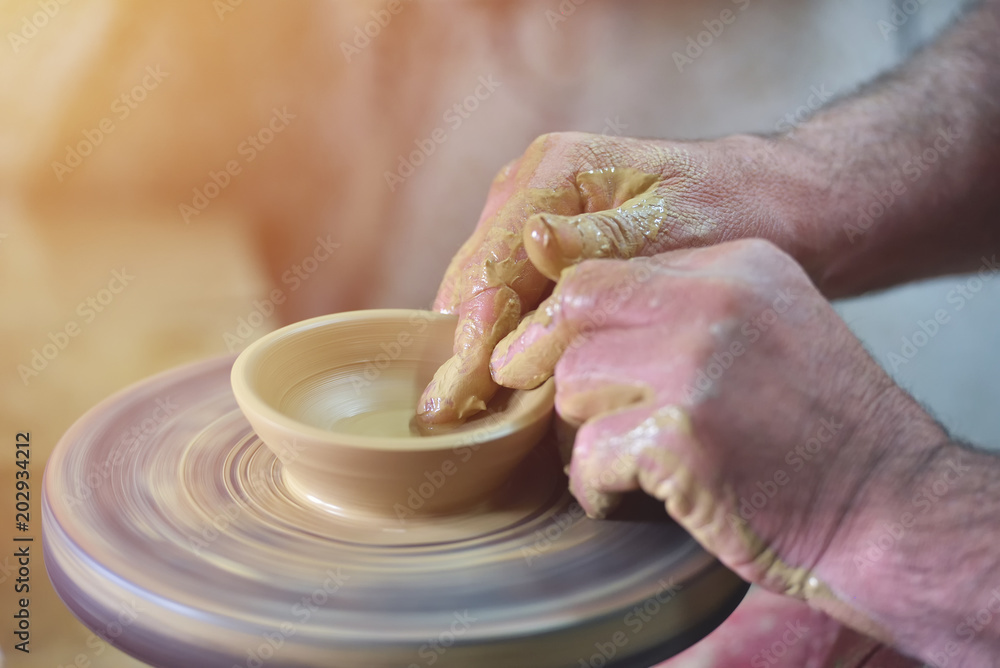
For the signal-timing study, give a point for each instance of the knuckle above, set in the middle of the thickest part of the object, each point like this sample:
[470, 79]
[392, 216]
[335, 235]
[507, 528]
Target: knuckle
[543, 142]
[757, 247]
[767, 253]
[577, 284]
[585, 151]
[732, 299]
[765, 261]
[592, 285]
[720, 297]
[610, 234]
[572, 281]
[569, 138]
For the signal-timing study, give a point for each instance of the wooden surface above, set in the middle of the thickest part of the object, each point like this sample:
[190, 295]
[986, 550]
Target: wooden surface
[182, 296]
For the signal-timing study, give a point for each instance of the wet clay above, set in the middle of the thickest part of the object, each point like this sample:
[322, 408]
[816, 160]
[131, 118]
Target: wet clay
[335, 399]
[610, 195]
[464, 380]
[489, 276]
[632, 212]
[464, 377]
[701, 514]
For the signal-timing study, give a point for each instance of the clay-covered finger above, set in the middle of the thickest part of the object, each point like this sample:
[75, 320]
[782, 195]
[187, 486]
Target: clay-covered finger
[527, 357]
[529, 354]
[450, 294]
[462, 386]
[638, 449]
[554, 242]
[602, 467]
[555, 176]
[577, 405]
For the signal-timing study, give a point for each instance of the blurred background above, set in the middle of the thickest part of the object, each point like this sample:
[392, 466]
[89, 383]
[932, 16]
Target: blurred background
[177, 179]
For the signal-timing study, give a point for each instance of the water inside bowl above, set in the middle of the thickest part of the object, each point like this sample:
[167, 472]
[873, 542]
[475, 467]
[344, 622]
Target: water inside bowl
[385, 423]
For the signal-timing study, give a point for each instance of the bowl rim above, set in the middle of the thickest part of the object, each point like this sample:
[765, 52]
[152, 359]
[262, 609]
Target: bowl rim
[253, 406]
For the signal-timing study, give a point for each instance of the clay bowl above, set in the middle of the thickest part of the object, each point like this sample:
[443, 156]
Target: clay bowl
[335, 399]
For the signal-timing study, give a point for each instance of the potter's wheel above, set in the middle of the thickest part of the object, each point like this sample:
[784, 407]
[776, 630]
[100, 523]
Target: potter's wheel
[169, 531]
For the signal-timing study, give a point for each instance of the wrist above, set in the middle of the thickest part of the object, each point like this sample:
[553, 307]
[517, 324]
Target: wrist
[786, 186]
[914, 564]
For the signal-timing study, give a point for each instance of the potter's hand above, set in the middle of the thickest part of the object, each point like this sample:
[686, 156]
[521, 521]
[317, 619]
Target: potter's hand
[574, 196]
[721, 382]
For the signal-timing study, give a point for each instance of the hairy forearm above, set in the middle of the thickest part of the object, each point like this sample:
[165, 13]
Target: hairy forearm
[921, 556]
[900, 181]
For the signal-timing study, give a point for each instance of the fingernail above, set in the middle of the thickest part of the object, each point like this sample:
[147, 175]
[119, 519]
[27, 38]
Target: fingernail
[558, 239]
[437, 415]
[430, 410]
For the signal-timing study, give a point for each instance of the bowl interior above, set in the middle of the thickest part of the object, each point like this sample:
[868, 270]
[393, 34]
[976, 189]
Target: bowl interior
[361, 374]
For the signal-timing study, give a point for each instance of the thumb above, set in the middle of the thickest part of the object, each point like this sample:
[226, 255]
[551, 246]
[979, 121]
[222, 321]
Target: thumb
[555, 242]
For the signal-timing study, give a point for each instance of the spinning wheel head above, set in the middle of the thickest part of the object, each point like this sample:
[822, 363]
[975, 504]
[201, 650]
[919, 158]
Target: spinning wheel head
[197, 526]
[335, 399]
